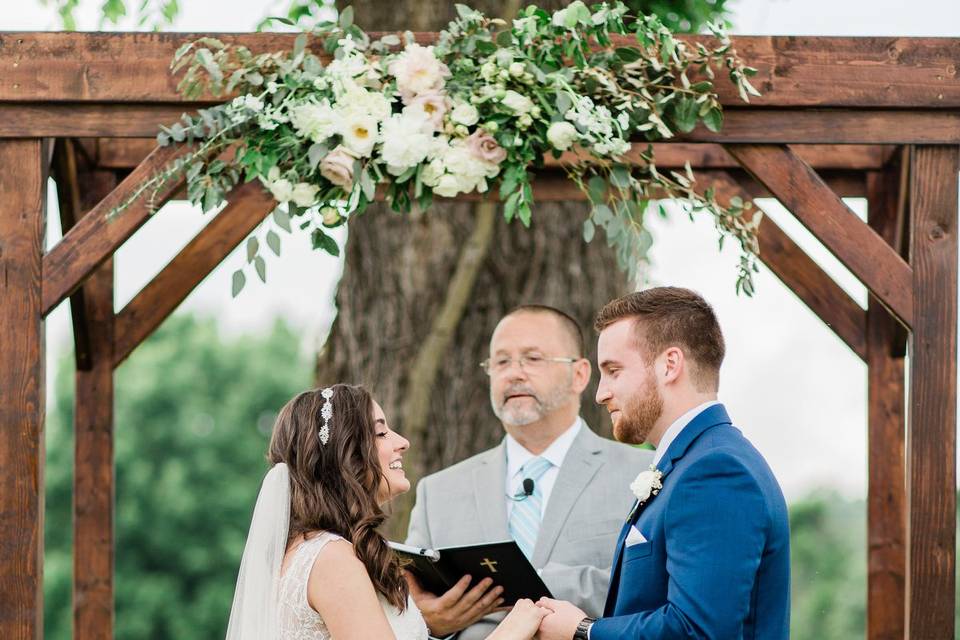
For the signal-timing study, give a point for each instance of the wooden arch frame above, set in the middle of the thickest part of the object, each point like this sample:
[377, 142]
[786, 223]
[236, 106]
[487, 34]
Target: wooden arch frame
[871, 117]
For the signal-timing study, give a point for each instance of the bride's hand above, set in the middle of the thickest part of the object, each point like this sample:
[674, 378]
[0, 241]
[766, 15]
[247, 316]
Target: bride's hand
[521, 623]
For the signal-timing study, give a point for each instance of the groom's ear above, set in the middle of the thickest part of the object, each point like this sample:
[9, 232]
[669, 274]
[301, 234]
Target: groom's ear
[671, 364]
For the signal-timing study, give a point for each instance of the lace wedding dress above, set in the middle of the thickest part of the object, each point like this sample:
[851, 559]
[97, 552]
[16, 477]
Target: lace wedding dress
[298, 621]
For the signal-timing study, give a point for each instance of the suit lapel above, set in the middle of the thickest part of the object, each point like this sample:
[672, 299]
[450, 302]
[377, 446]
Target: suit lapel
[490, 491]
[581, 463]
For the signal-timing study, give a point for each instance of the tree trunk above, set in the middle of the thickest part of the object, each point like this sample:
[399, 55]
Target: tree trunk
[421, 295]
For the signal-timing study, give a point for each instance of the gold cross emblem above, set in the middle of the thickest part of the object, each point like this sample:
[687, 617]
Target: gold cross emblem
[490, 564]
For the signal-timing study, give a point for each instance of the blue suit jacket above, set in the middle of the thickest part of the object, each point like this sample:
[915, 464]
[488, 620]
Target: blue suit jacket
[716, 563]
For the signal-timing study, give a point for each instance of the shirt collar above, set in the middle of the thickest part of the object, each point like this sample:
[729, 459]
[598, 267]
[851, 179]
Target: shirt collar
[674, 429]
[518, 455]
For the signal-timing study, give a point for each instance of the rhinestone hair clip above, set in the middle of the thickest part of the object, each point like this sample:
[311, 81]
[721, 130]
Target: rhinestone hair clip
[326, 411]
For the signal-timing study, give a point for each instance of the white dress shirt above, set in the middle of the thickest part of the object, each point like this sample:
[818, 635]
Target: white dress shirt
[518, 455]
[674, 429]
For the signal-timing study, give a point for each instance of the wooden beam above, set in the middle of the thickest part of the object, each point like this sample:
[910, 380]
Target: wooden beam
[22, 209]
[94, 238]
[249, 204]
[886, 422]
[793, 71]
[804, 277]
[741, 125]
[857, 246]
[94, 481]
[932, 431]
[127, 153]
[833, 126]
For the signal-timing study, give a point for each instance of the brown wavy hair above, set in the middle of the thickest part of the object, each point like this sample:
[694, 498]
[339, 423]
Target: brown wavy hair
[334, 487]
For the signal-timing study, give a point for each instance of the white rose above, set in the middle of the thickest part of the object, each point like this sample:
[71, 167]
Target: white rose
[304, 194]
[516, 102]
[517, 69]
[281, 190]
[465, 114]
[316, 122]
[562, 135]
[448, 186]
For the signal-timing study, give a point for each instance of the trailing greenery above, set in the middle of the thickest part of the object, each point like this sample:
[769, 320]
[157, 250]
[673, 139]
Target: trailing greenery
[486, 103]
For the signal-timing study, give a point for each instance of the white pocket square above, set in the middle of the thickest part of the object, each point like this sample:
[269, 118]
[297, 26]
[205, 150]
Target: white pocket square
[634, 537]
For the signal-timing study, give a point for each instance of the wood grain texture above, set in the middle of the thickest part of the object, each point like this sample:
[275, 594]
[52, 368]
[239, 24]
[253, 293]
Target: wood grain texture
[932, 433]
[94, 479]
[94, 238]
[22, 189]
[249, 204]
[858, 247]
[793, 71]
[886, 425]
[741, 124]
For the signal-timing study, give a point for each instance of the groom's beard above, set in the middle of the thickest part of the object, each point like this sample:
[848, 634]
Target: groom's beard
[639, 415]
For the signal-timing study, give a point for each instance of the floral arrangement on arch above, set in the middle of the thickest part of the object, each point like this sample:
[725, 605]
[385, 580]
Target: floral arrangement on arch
[476, 111]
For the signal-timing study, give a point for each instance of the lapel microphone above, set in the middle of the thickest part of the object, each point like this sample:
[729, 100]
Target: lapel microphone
[527, 490]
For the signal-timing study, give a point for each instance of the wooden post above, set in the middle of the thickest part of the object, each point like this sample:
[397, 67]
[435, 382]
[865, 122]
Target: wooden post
[932, 427]
[22, 187]
[93, 483]
[79, 189]
[886, 499]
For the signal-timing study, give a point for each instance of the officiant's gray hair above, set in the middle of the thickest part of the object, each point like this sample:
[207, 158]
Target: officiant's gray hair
[569, 324]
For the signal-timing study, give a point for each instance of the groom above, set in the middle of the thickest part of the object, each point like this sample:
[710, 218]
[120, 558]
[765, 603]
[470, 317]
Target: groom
[705, 551]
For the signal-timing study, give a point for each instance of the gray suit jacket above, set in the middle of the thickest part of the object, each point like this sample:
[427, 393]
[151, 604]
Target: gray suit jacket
[466, 504]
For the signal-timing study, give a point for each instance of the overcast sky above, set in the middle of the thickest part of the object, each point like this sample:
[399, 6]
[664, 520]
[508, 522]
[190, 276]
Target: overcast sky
[794, 388]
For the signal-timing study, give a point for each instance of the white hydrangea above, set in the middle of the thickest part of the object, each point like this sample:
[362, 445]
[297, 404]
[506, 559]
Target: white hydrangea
[316, 121]
[304, 194]
[407, 140]
[456, 169]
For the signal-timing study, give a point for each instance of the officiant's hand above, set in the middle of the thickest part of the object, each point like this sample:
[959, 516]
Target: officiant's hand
[562, 623]
[458, 608]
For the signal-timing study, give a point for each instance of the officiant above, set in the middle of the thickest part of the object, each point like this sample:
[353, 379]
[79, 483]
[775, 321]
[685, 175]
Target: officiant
[552, 485]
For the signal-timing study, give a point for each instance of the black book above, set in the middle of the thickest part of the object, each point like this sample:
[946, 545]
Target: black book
[438, 570]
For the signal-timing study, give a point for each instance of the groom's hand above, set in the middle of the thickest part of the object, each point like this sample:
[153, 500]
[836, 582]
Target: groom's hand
[562, 623]
[458, 608]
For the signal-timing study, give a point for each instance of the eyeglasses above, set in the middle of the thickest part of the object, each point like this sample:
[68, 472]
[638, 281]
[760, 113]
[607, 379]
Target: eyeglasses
[528, 363]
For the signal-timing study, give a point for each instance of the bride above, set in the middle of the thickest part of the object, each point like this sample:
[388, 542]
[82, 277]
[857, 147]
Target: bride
[315, 566]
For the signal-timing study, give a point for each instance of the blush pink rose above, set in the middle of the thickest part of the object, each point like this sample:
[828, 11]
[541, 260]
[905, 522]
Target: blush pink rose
[484, 147]
[337, 167]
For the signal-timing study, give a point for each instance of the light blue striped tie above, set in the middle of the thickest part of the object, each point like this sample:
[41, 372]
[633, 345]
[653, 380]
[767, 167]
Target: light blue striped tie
[525, 515]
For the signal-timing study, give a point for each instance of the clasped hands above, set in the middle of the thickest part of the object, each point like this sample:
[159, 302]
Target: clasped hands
[458, 608]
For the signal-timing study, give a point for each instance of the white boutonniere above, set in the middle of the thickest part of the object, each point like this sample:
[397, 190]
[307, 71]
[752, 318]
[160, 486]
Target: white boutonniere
[647, 483]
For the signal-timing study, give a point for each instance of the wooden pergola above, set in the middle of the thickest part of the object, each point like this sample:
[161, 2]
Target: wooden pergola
[868, 117]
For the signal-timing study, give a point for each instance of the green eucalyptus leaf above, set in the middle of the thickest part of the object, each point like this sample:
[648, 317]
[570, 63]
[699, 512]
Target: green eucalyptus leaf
[239, 280]
[273, 241]
[261, 266]
[588, 230]
[253, 246]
